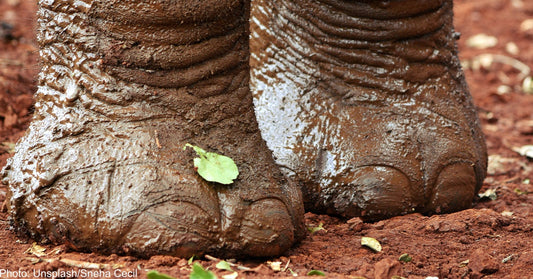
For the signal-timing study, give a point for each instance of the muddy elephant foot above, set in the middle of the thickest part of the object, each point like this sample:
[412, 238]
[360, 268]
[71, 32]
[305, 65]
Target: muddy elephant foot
[102, 166]
[365, 104]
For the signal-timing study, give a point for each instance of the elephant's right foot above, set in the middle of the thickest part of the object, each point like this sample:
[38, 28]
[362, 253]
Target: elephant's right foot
[102, 166]
[364, 103]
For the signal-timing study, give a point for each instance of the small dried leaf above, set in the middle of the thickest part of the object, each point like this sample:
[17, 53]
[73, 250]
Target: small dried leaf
[501, 165]
[36, 250]
[507, 213]
[34, 260]
[508, 258]
[9, 147]
[464, 263]
[489, 194]
[526, 25]
[371, 243]
[230, 276]
[527, 85]
[276, 266]
[526, 150]
[316, 229]
[503, 89]
[482, 41]
[512, 48]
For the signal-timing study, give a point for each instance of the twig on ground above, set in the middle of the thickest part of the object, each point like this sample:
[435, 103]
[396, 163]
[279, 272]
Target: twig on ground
[10, 62]
[240, 267]
[75, 263]
[485, 60]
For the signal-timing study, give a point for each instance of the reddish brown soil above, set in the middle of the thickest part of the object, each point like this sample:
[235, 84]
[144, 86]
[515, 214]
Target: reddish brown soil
[492, 240]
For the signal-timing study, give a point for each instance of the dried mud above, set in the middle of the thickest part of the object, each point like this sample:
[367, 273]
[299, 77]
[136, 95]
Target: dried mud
[494, 239]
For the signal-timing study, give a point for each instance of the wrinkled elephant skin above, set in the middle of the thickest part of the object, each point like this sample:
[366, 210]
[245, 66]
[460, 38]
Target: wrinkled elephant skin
[124, 86]
[361, 108]
[365, 104]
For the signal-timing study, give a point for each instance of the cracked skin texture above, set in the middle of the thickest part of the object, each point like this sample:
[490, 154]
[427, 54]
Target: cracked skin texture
[373, 118]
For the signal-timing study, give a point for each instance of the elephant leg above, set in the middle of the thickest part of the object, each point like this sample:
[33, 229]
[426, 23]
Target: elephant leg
[124, 86]
[365, 103]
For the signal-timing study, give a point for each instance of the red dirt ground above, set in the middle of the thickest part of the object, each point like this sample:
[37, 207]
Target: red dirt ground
[492, 240]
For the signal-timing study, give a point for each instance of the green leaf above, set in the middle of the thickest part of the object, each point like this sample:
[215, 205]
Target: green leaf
[198, 272]
[214, 167]
[191, 259]
[224, 266]
[371, 243]
[405, 258]
[316, 229]
[315, 273]
[153, 274]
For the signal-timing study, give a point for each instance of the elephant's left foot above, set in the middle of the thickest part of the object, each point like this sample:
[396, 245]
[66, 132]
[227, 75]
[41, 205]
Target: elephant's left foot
[366, 105]
[124, 86]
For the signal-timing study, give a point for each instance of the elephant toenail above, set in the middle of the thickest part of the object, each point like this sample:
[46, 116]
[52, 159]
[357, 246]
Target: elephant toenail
[267, 228]
[454, 189]
[376, 192]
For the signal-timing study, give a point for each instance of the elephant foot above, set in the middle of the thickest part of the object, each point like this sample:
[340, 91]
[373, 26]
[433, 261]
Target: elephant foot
[365, 104]
[102, 165]
[121, 187]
